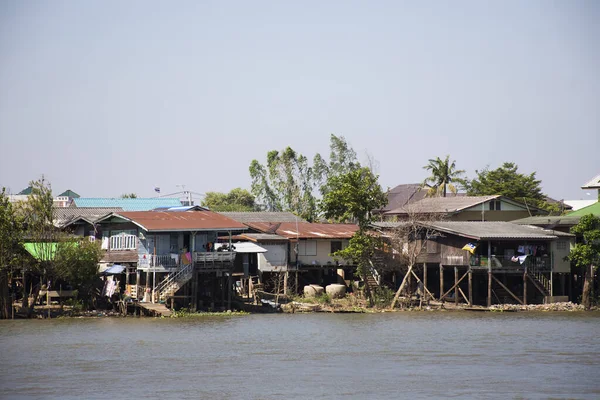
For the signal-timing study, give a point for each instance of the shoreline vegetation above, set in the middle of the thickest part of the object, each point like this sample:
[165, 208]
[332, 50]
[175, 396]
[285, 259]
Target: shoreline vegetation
[310, 305]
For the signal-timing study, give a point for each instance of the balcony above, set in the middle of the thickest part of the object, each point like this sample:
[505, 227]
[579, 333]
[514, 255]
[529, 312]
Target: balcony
[205, 261]
[514, 263]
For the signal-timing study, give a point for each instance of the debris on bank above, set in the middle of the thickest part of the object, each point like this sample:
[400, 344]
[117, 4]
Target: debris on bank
[566, 306]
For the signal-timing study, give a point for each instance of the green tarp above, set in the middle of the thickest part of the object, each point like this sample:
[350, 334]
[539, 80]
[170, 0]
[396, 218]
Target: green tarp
[41, 251]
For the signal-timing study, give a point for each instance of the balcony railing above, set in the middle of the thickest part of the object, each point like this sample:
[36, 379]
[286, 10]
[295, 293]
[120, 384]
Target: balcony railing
[514, 262]
[123, 242]
[201, 260]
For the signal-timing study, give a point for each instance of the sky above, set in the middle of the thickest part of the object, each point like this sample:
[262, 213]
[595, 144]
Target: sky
[112, 97]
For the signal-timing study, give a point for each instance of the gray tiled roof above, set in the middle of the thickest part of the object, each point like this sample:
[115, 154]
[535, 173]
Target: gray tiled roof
[442, 204]
[495, 230]
[387, 224]
[400, 195]
[593, 183]
[262, 216]
[547, 220]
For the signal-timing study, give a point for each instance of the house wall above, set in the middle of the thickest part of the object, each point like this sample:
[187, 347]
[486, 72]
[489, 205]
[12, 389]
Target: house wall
[560, 249]
[502, 215]
[323, 250]
[276, 256]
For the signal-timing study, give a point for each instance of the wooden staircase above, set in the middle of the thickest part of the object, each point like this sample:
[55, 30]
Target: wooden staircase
[173, 282]
[539, 279]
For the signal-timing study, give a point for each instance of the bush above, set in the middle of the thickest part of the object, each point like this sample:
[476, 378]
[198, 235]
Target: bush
[383, 296]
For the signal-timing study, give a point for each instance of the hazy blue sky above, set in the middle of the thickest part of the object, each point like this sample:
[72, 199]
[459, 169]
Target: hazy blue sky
[108, 97]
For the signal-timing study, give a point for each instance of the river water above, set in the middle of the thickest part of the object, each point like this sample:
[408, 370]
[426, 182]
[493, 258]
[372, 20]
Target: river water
[318, 356]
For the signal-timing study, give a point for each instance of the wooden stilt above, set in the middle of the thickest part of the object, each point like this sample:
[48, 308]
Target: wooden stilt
[525, 287]
[223, 291]
[425, 277]
[229, 289]
[455, 285]
[470, 287]
[489, 295]
[507, 289]
[441, 282]
[424, 287]
[285, 283]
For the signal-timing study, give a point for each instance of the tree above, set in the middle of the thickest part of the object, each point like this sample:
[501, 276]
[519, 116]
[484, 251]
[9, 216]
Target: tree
[11, 236]
[285, 183]
[351, 197]
[507, 181]
[129, 196]
[77, 263]
[586, 255]
[408, 240]
[236, 200]
[342, 159]
[443, 175]
[41, 232]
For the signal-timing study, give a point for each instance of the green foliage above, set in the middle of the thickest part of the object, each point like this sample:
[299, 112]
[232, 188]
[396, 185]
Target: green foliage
[507, 181]
[236, 200]
[77, 263]
[361, 248]
[342, 159]
[323, 298]
[383, 296]
[443, 176]
[588, 252]
[38, 218]
[285, 183]
[11, 233]
[187, 313]
[129, 196]
[352, 196]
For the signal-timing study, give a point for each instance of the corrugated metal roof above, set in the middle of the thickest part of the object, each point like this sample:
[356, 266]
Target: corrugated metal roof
[64, 215]
[306, 230]
[561, 220]
[262, 216]
[593, 209]
[400, 195]
[387, 224]
[594, 183]
[243, 247]
[263, 236]
[157, 221]
[579, 204]
[69, 193]
[442, 204]
[141, 204]
[495, 230]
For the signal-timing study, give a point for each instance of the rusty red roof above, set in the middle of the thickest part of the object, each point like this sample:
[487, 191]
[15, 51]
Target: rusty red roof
[156, 221]
[306, 230]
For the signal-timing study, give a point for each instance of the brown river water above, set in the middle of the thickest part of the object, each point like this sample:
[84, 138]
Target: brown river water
[424, 355]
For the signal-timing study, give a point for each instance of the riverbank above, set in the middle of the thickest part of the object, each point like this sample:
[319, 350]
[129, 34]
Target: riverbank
[312, 305]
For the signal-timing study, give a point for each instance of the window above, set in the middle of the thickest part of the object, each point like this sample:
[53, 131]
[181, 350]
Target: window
[495, 205]
[335, 246]
[307, 248]
[561, 245]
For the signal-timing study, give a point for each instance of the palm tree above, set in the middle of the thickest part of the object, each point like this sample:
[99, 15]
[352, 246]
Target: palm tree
[443, 174]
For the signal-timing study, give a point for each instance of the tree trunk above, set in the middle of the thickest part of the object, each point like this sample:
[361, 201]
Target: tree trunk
[5, 298]
[397, 295]
[586, 295]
